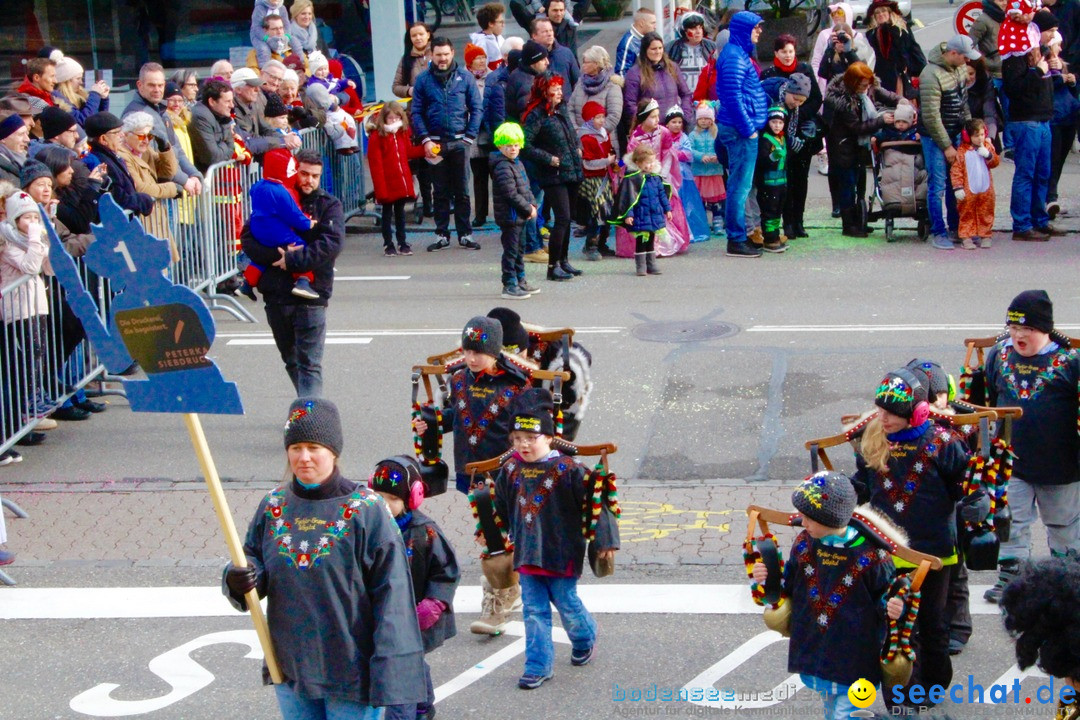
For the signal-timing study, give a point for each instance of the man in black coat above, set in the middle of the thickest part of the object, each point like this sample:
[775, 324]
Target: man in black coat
[299, 324]
[211, 128]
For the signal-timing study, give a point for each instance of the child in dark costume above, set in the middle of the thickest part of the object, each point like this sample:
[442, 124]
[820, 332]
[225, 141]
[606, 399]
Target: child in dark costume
[770, 179]
[643, 206]
[835, 579]
[542, 497]
[432, 562]
[911, 470]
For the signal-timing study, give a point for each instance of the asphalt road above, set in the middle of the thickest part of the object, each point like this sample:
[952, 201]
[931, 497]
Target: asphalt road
[691, 403]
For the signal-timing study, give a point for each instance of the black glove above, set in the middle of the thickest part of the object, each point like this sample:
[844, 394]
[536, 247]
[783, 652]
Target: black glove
[240, 580]
[161, 140]
[975, 508]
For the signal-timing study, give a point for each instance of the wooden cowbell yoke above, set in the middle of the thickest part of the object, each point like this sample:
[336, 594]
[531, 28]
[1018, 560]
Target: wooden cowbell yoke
[897, 656]
[497, 558]
[989, 432]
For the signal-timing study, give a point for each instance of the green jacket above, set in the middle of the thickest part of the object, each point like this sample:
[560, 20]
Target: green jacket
[942, 99]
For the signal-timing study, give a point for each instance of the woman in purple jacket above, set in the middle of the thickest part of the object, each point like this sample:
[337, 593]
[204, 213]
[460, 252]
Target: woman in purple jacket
[655, 76]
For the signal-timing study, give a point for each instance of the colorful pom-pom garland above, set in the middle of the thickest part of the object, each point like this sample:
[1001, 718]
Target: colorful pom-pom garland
[603, 493]
[508, 545]
[418, 444]
[899, 635]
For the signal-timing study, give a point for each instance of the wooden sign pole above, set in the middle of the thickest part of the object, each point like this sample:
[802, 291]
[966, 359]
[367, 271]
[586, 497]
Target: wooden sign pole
[232, 539]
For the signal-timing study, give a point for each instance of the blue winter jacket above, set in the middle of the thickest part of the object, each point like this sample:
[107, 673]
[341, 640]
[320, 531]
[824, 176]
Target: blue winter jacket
[446, 112]
[743, 104]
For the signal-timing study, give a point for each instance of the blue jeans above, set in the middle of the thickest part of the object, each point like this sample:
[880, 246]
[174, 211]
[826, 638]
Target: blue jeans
[1032, 175]
[742, 157]
[938, 186]
[297, 707]
[537, 595]
[837, 707]
[1006, 135]
[299, 333]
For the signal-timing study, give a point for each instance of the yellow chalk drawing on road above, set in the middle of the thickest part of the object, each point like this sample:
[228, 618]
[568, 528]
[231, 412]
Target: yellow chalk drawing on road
[642, 521]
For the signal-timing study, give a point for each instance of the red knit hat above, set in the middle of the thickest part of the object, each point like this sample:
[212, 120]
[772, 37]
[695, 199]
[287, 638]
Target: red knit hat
[591, 110]
[472, 52]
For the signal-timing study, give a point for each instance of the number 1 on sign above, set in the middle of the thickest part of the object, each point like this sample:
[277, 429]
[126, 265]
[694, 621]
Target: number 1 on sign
[121, 247]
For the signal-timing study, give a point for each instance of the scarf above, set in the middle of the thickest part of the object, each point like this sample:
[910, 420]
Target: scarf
[785, 68]
[18, 158]
[392, 127]
[443, 76]
[13, 235]
[884, 39]
[908, 434]
[595, 84]
[869, 112]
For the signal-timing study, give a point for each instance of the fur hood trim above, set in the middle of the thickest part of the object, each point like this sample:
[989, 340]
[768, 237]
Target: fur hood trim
[879, 527]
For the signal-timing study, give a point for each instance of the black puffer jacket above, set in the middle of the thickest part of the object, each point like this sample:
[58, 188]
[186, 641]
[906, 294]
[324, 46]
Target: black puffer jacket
[844, 115]
[512, 198]
[550, 135]
[518, 88]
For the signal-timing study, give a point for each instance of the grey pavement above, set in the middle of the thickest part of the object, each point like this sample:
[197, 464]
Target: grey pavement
[707, 422]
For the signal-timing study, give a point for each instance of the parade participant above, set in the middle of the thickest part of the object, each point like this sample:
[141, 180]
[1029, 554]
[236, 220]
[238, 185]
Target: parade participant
[514, 206]
[599, 163]
[770, 178]
[478, 413]
[328, 558]
[432, 562]
[973, 185]
[643, 206]
[1035, 369]
[911, 470]
[1039, 608]
[540, 494]
[834, 645]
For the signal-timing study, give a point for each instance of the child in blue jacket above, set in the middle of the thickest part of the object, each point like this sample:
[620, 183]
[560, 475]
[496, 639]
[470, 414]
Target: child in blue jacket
[643, 207]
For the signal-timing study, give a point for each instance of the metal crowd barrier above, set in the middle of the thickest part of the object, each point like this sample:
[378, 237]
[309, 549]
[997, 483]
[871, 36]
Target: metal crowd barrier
[44, 355]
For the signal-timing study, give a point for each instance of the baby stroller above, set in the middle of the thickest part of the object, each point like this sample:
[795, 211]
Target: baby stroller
[899, 186]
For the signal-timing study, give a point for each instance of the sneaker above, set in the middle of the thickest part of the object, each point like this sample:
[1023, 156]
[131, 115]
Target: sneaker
[303, 289]
[1008, 570]
[545, 233]
[513, 292]
[531, 289]
[389, 251]
[69, 414]
[941, 242]
[249, 292]
[536, 257]
[778, 246]
[956, 646]
[968, 244]
[531, 682]
[822, 163]
[47, 423]
[1030, 236]
[743, 250]
[404, 249]
[605, 251]
[985, 243]
[31, 438]
[92, 407]
[440, 244]
[582, 657]
[1050, 231]
[9, 457]
[7, 557]
[468, 243]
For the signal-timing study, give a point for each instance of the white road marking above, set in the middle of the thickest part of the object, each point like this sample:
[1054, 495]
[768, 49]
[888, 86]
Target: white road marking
[991, 329]
[328, 341]
[181, 602]
[370, 278]
[415, 332]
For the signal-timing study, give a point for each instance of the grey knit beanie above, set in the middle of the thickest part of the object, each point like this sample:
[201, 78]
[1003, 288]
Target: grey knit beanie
[826, 497]
[484, 335]
[314, 420]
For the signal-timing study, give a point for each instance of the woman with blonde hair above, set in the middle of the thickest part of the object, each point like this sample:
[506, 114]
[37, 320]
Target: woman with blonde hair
[304, 28]
[899, 57]
[70, 95]
[599, 84]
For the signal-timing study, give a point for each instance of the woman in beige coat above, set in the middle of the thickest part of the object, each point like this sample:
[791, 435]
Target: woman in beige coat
[148, 158]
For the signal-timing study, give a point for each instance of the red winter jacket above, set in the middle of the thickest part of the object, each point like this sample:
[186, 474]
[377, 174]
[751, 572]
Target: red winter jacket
[388, 157]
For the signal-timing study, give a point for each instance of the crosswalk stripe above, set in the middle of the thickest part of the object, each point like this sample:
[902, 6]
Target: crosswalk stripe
[328, 341]
[180, 602]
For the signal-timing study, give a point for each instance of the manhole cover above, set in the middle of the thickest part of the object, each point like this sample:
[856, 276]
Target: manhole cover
[684, 332]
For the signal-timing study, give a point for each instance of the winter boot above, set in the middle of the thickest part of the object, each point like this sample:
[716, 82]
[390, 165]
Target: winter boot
[650, 264]
[591, 251]
[604, 250]
[850, 221]
[756, 237]
[640, 264]
[492, 617]
[1008, 570]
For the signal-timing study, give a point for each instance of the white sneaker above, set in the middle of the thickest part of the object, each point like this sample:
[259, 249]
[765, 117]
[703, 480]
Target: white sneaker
[822, 163]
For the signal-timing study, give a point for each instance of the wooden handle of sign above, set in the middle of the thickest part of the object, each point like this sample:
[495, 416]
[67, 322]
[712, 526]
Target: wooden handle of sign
[232, 540]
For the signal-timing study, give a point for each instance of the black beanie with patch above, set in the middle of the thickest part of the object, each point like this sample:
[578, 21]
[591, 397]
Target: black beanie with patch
[1033, 309]
[532, 411]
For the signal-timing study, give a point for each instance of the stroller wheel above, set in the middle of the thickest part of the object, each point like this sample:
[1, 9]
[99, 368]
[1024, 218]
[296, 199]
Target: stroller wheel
[924, 231]
[890, 230]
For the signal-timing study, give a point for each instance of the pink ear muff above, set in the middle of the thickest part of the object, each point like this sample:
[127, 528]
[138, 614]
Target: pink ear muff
[920, 414]
[416, 494]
